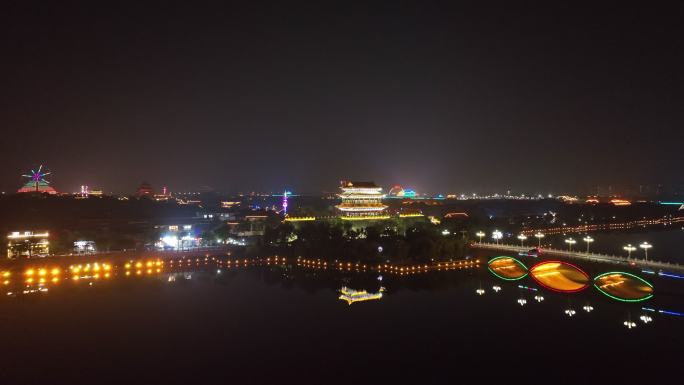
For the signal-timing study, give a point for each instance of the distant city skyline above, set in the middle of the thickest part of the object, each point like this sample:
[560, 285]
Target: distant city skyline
[641, 189]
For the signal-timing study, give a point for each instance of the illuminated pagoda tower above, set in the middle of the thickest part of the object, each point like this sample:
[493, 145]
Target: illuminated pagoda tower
[37, 182]
[361, 201]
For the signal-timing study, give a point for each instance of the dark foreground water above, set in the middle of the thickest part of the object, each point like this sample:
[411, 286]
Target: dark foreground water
[286, 325]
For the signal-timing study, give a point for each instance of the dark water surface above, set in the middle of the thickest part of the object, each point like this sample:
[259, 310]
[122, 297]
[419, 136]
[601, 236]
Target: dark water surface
[285, 324]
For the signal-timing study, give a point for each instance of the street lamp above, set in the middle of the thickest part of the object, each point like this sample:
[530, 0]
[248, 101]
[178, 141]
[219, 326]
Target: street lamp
[588, 240]
[570, 242]
[522, 238]
[497, 235]
[629, 248]
[646, 246]
[480, 234]
[539, 236]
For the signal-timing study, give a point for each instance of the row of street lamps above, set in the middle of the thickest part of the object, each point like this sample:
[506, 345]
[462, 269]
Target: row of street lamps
[498, 235]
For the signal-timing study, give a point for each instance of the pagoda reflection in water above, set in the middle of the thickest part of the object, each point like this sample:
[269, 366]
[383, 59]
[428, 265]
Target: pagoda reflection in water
[351, 295]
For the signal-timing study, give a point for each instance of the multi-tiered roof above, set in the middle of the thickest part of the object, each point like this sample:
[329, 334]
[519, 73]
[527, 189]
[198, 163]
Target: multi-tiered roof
[361, 200]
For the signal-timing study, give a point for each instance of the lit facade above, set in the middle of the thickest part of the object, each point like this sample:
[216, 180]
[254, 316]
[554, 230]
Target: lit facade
[361, 200]
[177, 237]
[164, 196]
[145, 190]
[37, 187]
[28, 244]
[400, 192]
[84, 247]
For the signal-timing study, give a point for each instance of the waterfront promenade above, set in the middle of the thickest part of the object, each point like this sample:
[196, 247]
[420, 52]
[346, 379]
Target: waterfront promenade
[594, 257]
[122, 255]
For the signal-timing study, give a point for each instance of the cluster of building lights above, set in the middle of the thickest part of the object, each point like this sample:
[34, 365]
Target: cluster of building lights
[497, 196]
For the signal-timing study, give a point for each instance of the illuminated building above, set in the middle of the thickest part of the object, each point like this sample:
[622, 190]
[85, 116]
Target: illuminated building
[37, 183]
[361, 200]
[28, 244]
[300, 219]
[567, 199]
[177, 237]
[253, 225]
[400, 192]
[189, 202]
[144, 190]
[620, 202]
[164, 196]
[87, 192]
[84, 247]
[456, 215]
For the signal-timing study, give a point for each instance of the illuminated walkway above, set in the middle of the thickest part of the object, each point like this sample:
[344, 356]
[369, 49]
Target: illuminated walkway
[584, 256]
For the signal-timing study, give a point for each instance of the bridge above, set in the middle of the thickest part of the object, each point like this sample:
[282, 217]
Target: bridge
[593, 257]
[665, 221]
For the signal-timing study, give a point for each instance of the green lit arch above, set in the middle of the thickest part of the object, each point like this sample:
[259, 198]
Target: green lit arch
[649, 296]
[506, 278]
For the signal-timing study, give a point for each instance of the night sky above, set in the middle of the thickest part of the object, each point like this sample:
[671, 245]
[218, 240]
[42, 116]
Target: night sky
[255, 96]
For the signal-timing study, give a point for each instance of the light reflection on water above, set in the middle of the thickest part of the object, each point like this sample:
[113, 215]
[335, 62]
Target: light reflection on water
[283, 312]
[312, 273]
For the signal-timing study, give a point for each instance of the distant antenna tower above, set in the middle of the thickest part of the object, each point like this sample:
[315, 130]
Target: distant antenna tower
[285, 194]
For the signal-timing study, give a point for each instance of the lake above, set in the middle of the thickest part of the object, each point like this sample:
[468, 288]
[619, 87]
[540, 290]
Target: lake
[203, 321]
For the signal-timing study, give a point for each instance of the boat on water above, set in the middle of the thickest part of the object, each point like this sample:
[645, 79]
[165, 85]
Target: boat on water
[351, 295]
